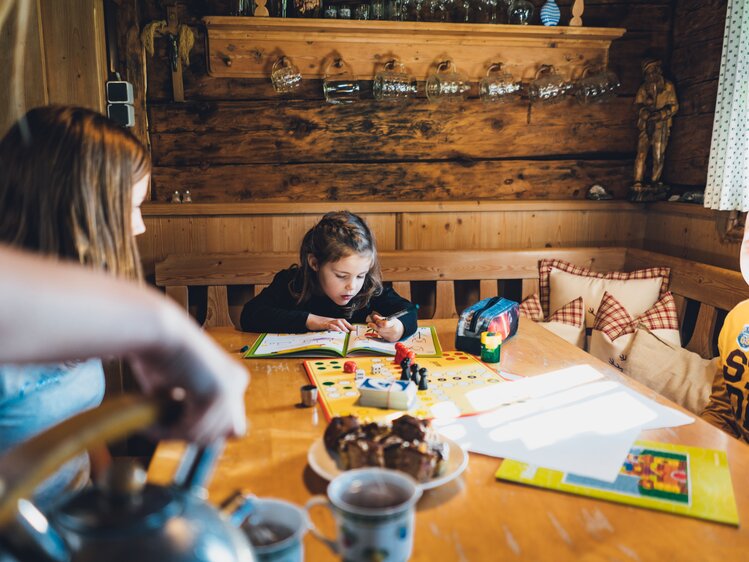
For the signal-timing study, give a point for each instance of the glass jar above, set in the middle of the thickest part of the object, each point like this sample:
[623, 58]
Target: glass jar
[344, 12]
[520, 12]
[307, 8]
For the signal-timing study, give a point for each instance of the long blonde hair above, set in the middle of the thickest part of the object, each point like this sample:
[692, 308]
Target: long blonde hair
[66, 187]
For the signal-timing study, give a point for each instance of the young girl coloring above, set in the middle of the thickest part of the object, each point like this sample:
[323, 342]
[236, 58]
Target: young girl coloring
[336, 284]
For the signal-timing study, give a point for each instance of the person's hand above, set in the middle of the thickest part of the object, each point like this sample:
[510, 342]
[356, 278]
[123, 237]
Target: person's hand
[211, 381]
[390, 330]
[317, 323]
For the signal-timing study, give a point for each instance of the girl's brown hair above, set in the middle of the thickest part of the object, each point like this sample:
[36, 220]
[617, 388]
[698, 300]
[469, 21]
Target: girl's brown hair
[66, 187]
[337, 235]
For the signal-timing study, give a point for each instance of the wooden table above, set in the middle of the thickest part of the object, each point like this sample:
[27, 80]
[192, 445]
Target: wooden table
[474, 517]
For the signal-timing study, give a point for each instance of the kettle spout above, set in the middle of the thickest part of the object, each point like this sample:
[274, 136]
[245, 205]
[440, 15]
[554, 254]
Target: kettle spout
[238, 507]
[31, 537]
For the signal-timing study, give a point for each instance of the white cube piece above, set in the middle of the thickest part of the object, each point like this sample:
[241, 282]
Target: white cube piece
[390, 394]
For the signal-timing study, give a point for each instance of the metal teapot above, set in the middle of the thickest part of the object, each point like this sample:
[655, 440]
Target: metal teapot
[124, 519]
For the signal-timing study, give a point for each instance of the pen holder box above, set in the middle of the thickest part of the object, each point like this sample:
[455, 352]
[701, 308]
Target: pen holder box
[496, 315]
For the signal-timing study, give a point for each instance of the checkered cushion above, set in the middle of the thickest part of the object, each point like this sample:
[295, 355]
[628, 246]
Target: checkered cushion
[531, 308]
[571, 313]
[613, 320]
[573, 279]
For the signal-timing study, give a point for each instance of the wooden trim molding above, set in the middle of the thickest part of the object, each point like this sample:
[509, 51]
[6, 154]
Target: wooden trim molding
[248, 47]
[368, 207]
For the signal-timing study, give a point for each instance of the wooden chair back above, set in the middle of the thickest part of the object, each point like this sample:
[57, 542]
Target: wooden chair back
[401, 268]
[709, 290]
[705, 289]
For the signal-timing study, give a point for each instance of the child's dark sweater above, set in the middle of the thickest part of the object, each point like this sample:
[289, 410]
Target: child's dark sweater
[275, 309]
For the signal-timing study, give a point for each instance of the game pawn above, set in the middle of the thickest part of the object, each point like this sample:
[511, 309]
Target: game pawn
[404, 369]
[423, 385]
[414, 373]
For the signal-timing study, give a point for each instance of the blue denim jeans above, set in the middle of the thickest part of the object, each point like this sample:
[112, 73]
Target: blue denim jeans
[36, 397]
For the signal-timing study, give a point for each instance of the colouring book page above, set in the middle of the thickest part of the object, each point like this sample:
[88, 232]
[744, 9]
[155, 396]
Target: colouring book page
[273, 344]
[422, 342]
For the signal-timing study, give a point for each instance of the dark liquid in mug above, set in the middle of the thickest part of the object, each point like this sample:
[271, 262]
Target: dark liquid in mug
[376, 496]
[266, 533]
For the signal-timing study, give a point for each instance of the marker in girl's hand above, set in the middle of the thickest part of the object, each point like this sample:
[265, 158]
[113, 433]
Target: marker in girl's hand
[401, 313]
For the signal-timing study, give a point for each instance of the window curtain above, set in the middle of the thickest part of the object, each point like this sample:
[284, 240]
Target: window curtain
[728, 171]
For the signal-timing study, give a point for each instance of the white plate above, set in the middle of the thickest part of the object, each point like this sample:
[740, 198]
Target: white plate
[325, 466]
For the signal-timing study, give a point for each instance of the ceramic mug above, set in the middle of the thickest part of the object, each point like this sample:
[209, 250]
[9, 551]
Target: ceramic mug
[276, 529]
[374, 509]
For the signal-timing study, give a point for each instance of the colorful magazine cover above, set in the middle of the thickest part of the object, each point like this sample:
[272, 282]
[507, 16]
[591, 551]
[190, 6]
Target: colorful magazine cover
[680, 479]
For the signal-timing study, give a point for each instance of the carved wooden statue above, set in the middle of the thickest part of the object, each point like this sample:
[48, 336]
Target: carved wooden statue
[657, 104]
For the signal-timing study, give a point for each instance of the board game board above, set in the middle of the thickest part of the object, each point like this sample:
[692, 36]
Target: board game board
[669, 477]
[453, 379]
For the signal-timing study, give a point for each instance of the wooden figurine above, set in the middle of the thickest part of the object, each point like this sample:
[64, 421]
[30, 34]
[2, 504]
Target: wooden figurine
[657, 104]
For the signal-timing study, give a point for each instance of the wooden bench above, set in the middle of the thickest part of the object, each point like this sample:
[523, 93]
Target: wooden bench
[703, 293]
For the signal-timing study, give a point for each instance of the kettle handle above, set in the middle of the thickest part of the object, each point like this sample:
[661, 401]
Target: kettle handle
[30, 463]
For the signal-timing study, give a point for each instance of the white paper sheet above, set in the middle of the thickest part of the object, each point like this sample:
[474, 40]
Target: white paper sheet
[571, 420]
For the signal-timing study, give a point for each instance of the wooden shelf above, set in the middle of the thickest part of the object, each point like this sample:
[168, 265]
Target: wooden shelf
[247, 47]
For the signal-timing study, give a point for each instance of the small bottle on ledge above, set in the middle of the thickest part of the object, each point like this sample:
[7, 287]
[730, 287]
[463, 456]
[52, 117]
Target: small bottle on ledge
[306, 8]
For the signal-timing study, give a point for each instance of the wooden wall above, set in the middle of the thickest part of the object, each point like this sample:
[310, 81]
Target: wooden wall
[695, 67]
[267, 227]
[692, 232]
[65, 59]
[234, 140]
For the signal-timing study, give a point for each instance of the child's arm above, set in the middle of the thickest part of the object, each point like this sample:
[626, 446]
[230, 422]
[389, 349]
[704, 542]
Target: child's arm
[273, 310]
[718, 411]
[390, 302]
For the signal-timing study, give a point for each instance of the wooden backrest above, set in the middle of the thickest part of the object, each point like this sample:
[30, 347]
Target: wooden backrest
[401, 268]
[708, 289]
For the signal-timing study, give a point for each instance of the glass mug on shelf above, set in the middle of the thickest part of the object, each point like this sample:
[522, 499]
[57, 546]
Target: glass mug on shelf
[498, 86]
[285, 76]
[548, 86]
[340, 85]
[447, 84]
[393, 83]
[596, 87]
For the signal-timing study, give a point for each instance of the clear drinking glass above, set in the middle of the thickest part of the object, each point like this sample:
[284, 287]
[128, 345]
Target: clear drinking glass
[548, 86]
[447, 84]
[597, 86]
[498, 86]
[340, 85]
[393, 83]
[285, 76]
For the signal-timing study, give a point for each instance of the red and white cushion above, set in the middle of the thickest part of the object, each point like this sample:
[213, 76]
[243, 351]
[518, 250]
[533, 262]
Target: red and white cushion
[561, 282]
[614, 326]
[567, 322]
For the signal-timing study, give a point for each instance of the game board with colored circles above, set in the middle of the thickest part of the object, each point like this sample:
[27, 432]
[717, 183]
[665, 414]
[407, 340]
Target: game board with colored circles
[453, 380]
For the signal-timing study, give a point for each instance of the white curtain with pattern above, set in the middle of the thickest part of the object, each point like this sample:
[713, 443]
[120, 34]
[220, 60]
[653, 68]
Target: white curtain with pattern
[728, 171]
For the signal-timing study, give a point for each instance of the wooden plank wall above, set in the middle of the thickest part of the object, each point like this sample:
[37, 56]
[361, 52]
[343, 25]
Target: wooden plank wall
[65, 58]
[234, 140]
[695, 67]
[266, 227]
[692, 232]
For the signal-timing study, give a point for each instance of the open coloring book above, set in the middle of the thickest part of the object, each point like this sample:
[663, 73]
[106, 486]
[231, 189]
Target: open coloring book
[361, 341]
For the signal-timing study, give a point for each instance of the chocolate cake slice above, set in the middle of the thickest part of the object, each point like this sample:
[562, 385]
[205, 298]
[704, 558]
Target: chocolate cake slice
[357, 453]
[410, 428]
[337, 429]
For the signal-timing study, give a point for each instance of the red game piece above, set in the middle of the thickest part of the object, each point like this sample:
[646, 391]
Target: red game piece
[349, 367]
